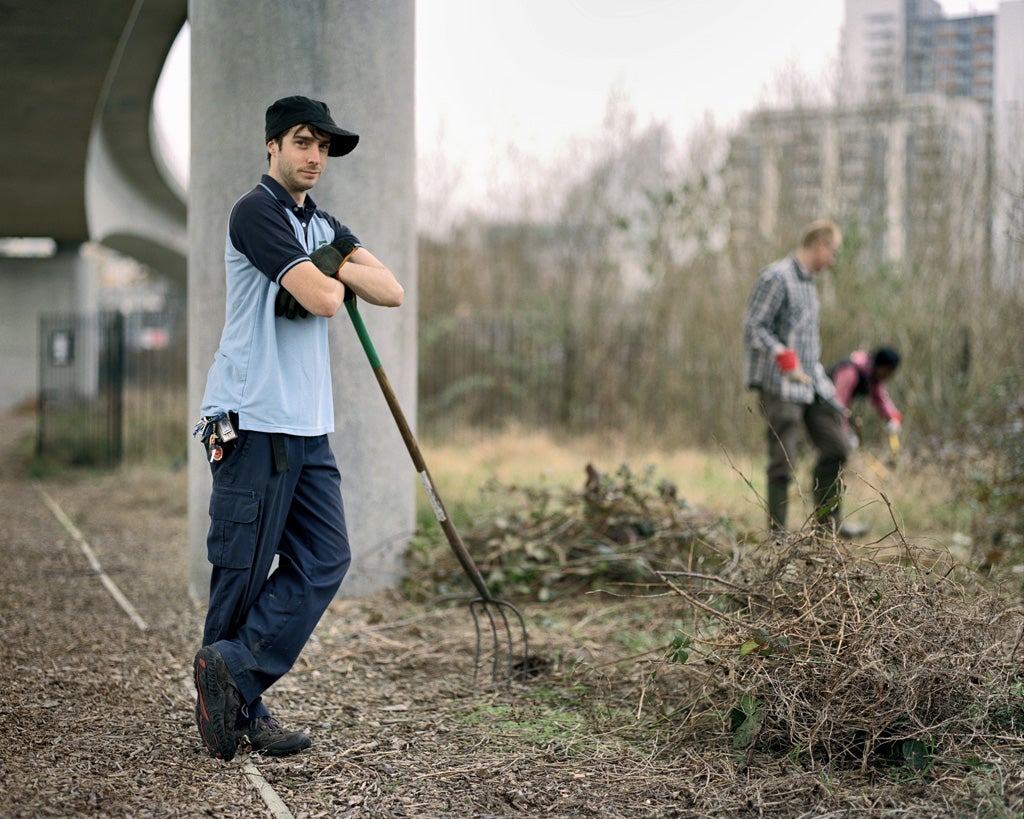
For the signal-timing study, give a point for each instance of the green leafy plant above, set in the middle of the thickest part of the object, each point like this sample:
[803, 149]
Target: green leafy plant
[747, 718]
[678, 649]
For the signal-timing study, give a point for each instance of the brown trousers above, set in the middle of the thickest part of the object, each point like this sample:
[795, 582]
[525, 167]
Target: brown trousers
[823, 424]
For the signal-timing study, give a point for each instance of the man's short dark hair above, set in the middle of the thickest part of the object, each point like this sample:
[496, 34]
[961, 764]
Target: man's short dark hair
[279, 139]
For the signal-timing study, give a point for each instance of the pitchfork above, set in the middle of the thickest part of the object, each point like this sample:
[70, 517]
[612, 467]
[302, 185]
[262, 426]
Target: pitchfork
[489, 613]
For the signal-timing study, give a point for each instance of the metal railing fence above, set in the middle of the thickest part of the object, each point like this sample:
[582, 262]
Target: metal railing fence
[111, 386]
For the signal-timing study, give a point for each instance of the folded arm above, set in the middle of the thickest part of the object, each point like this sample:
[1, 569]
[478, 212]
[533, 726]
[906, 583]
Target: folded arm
[322, 292]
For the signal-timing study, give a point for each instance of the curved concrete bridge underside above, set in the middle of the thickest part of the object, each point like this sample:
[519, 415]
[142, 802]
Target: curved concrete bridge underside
[77, 80]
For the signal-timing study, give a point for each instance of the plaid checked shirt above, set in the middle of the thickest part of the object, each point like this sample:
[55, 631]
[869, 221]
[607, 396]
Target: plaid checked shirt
[783, 311]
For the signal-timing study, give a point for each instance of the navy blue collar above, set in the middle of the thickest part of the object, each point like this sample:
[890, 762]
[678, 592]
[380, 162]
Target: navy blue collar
[303, 211]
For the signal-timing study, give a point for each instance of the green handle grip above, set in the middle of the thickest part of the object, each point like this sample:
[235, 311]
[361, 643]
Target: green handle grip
[361, 331]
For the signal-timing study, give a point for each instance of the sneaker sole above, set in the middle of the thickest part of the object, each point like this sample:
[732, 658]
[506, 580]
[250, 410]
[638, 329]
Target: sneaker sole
[217, 703]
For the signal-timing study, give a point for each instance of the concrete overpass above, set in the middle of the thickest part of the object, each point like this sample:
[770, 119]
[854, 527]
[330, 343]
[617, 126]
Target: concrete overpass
[78, 82]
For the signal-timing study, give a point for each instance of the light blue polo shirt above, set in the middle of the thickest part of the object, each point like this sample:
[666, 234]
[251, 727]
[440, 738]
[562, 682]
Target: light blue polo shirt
[273, 371]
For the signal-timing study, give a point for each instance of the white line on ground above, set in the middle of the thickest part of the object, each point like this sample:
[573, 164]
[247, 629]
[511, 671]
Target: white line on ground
[111, 586]
[266, 791]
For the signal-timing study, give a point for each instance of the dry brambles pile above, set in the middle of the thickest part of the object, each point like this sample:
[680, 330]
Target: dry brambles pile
[679, 669]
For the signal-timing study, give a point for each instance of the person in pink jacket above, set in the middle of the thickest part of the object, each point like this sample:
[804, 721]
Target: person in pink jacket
[862, 374]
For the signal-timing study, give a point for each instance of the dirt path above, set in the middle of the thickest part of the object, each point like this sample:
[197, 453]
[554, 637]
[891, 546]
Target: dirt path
[98, 712]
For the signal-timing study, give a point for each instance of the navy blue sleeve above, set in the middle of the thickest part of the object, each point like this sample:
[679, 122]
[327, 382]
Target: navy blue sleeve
[261, 230]
[340, 231]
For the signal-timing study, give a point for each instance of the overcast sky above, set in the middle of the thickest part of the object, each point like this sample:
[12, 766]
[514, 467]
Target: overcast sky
[537, 74]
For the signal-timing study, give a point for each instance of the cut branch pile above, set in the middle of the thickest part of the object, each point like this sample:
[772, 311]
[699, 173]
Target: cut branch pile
[541, 542]
[811, 649]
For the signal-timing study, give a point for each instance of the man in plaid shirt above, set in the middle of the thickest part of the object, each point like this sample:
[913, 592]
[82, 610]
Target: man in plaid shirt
[783, 364]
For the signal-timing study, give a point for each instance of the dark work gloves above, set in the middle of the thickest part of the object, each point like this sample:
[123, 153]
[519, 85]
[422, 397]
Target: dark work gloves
[328, 258]
[286, 305]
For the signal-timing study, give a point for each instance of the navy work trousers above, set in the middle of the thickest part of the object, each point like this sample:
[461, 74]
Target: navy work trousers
[260, 621]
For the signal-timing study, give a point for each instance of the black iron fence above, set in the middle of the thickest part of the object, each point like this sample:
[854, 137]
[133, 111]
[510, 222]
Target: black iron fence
[111, 385]
[532, 372]
[484, 373]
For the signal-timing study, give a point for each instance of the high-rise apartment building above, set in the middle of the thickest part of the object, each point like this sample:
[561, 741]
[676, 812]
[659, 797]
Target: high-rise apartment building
[926, 101]
[873, 49]
[901, 177]
[1008, 139]
[895, 47]
[952, 56]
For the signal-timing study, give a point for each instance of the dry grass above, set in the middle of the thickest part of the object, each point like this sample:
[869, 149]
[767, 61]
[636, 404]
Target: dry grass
[803, 676]
[840, 655]
[912, 492]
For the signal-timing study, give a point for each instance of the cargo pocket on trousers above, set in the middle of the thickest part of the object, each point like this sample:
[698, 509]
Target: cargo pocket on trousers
[234, 515]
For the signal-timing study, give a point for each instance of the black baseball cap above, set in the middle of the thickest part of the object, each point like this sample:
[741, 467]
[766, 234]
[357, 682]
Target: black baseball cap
[290, 111]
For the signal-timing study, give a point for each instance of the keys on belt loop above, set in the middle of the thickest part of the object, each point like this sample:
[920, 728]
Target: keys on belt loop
[220, 429]
[199, 430]
[216, 450]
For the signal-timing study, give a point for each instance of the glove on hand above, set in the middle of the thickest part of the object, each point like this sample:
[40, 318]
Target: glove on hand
[789, 364]
[787, 360]
[894, 426]
[286, 305]
[328, 259]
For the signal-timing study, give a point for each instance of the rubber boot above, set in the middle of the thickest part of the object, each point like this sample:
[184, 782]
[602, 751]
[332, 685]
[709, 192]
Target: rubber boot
[778, 504]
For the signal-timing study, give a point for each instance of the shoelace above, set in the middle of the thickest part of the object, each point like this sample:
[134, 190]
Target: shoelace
[267, 724]
[261, 726]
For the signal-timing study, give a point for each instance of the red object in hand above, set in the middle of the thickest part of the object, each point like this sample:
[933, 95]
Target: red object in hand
[787, 360]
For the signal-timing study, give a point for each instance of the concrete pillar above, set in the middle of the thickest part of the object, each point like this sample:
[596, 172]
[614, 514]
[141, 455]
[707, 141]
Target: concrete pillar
[359, 58]
[1008, 160]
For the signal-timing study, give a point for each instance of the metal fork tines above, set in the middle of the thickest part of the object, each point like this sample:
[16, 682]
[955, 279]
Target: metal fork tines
[501, 619]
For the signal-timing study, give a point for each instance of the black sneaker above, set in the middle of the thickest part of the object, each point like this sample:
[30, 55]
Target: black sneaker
[217, 703]
[264, 735]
